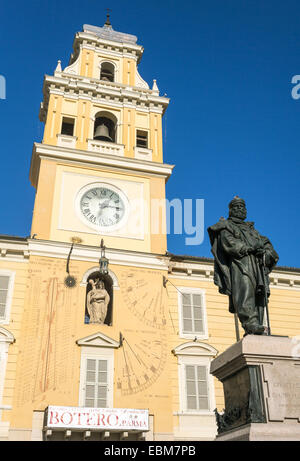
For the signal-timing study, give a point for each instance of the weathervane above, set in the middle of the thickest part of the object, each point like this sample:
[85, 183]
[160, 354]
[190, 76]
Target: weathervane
[107, 22]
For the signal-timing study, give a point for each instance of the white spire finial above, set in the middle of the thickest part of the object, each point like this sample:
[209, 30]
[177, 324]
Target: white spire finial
[58, 67]
[155, 87]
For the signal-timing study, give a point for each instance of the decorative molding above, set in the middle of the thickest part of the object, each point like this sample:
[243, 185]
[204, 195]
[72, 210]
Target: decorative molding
[6, 336]
[64, 140]
[195, 348]
[76, 156]
[195, 353]
[102, 147]
[143, 153]
[19, 250]
[96, 269]
[14, 250]
[5, 321]
[80, 252]
[97, 90]
[139, 82]
[98, 340]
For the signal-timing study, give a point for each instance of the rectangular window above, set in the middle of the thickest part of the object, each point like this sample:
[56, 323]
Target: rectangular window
[196, 379]
[192, 313]
[96, 383]
[67, 126]
[142, 139]
[4, 286]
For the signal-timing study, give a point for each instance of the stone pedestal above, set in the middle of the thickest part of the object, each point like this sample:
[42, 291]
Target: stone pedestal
[261, 381]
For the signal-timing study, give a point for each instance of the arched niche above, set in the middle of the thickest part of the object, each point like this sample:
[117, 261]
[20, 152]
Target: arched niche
[107, 71]
[105, 127]
[95, 269]
[108, 285]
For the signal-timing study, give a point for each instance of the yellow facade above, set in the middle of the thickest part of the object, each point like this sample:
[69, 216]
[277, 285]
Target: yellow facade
[45, 334]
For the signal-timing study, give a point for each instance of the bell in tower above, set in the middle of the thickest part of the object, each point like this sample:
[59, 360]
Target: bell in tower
[104, 129]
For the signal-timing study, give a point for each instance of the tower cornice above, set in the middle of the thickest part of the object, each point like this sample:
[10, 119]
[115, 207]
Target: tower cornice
[100, 43]
[74, 86]
[87, 158]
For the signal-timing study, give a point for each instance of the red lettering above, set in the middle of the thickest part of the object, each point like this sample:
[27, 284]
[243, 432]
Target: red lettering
[79, 416]
[53, 416]
[116, 422]
[62, 418]
[90, 417]
[100, 420]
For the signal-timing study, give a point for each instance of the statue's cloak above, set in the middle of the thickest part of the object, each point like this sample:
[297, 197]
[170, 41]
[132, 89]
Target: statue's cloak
[230, 242]
[222, 276]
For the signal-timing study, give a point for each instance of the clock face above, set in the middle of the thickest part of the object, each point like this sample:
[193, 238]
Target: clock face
[102, 206]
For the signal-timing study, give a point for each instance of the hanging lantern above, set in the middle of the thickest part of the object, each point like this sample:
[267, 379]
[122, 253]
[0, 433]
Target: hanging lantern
[103, 261]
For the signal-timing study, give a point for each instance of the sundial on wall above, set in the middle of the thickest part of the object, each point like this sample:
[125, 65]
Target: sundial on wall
[142, 357]
[143, 293]
[143, 354]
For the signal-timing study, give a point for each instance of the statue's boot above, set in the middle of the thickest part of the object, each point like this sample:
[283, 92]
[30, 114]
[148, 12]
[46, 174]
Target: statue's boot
[254, 328]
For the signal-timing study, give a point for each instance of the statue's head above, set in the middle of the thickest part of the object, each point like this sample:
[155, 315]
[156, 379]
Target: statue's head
[100, 284]
[237, 208]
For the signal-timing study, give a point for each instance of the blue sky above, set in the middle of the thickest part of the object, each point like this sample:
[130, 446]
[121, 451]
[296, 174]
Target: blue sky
[232, 126]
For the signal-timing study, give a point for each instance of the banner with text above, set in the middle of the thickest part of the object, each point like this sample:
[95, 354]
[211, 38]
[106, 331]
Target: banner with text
[97, 418]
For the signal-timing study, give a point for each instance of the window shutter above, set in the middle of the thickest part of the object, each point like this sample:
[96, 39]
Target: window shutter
[4, 283]
[192, 313]
[96, 383]
[196, 387]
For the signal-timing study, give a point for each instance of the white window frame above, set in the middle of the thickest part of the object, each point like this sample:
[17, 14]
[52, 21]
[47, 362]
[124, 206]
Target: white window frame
[98, 347]
[196, 354]
[6, 338]
[201, 292]
[11, 275]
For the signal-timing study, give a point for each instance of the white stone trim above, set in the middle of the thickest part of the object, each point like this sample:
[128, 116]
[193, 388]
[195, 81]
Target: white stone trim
[64, 140]
[95, 269]
[99, 347]
[14, 250]
[11, 275]
[98, 340]
[195, 348]
[86, 253]
[75, 156]
[143, 153]
[6, 338]
[108, 148]
[97, 90]
[140, 82]
[113, 63]
[194, 354]
[201, 292]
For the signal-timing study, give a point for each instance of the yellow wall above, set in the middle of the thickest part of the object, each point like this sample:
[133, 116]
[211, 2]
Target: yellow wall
[15, 325]
[55, 216]
[51, 319]
[83, 110]
[53, 121]
[283, 308]
[49, 364]
[43, 205]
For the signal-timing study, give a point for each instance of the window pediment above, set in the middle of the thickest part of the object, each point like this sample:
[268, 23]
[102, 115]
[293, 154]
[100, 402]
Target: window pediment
[98, 340]
[195, 348]
[6, 336]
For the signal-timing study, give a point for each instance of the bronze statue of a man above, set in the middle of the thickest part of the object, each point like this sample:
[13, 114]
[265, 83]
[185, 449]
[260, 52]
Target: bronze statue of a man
[242, 261]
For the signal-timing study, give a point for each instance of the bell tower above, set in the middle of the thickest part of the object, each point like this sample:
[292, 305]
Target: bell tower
[99, 170]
